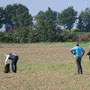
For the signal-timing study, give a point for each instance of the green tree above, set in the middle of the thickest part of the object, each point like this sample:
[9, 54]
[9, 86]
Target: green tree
[17, 16]
[81, 24]
[46, 25]
[84, 20]
[9, 14]
[67, 18]
[1, 17]
[40, 26]
[23, 16]
[51, 15]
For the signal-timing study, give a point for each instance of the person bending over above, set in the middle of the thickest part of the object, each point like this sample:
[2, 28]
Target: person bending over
[14, 58]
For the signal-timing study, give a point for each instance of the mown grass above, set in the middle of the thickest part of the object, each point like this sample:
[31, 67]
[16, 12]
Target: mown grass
[45, 66]
[43, 45]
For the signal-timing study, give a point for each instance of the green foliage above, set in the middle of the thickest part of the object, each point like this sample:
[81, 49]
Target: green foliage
[46, 26]
[68, 36]
[17, 16]
[67, 18]
[80, 24]
[2, 36]
[1, 17]
[23, 16]
[21, 35]
[9, 37]
[84, 20]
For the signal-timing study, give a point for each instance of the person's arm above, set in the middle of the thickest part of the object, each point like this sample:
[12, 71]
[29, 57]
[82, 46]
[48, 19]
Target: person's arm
[72, 52]
[7, 57]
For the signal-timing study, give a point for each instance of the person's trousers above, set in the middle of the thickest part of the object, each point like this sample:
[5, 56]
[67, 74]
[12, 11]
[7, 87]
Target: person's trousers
[14, 64]
[78, 63]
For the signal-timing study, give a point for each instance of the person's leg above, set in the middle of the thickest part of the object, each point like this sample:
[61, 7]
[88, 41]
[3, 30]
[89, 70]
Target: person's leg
[80, 67]
[14, 64]
[78, 63]
[14, 68]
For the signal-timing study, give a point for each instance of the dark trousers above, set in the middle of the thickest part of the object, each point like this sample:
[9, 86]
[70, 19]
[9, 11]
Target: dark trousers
[78, 63]
[14, 64]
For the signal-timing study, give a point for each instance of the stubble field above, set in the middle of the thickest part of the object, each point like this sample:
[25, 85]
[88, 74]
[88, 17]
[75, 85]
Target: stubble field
[44, 66]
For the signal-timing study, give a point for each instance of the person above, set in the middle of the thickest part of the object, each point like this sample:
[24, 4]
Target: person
[78, 53]
[14, 58]
[89, 53]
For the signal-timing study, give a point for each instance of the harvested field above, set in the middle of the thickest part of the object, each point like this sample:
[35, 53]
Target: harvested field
[44, 66]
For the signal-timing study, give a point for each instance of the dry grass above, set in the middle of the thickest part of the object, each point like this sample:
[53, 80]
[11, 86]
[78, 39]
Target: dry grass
[44, 67]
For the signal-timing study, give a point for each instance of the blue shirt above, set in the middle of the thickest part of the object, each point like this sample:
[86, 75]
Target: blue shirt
[78, 51]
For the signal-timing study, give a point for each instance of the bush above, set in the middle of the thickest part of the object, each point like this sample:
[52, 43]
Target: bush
[84, 37]
[68, 36]
[2, 36]
[27, 35]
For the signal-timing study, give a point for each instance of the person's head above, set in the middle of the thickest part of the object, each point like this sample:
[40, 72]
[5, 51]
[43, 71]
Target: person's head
[77, 43]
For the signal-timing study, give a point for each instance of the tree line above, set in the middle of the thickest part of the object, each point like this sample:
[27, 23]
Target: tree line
[46, 26]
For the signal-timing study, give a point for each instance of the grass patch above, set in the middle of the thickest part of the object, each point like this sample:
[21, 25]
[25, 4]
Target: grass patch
[46, 45]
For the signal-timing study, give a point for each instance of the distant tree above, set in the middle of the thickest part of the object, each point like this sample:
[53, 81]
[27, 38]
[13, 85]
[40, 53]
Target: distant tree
[51, 15]
[23, 16]
[67, 18]
[46, 25]
[1, 17]
[81, 24]
[84, 20]
[17, 16]
[41, 26]
[10, 13]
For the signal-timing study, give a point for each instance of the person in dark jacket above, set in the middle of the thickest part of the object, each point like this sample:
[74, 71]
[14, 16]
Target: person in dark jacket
[14, 58]
[89, 53]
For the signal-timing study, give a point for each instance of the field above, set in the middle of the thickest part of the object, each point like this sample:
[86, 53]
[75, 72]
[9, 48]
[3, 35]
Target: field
[44, 66]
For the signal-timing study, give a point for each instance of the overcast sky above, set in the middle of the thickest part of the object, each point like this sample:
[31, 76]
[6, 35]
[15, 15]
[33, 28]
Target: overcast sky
[35, 6]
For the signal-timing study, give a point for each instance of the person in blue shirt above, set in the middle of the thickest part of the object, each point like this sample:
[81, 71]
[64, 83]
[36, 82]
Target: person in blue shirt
[78, 53]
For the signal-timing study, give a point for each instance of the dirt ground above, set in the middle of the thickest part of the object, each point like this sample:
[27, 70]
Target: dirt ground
[44, 66]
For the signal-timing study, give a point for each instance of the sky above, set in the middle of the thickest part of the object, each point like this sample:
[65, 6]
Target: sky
[35, 6]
